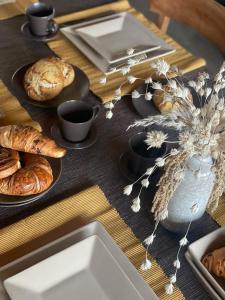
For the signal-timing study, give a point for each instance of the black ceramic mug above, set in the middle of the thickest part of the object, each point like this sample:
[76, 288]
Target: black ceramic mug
[76, 118]
[40, 16]
[139, 156]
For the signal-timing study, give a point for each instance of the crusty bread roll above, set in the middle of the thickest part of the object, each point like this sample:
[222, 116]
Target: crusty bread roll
[214, 262]
[158, 100]
[27, 139]
[34, 178]
[43, 80]
[66, 69]
[9, 162]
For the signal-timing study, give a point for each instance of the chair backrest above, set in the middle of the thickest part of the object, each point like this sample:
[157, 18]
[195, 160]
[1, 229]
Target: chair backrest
[205, 16]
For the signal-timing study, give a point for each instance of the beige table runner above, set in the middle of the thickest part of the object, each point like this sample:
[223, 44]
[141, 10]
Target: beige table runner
[89, 205]
[14, 113]
[64, 48]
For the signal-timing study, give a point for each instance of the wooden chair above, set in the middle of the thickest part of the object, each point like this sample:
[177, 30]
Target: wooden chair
[205, 16]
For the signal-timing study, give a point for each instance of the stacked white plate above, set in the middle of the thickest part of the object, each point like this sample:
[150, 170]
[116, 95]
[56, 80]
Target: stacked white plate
[106, 41]
[85, 264]
[196, 251]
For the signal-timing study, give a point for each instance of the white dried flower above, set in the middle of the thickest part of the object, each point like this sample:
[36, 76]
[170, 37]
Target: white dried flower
[183, 241]
[146, 265]
[149, 171]
[125, 70]
[172, 84]
[156, 85]
[217, 87]
[131, 62]
[162, 215]
[135, 94]
[173, 278]
[148, 96]
[155, 138]
[117, 97]
[109, 105]
[160, 162]
[176, 264]
[113, 69]
[192, 84]
[131, 79]
[136, 206]
[145, 183]
[194, 208]
[208, 91]
[130, 51]
[148, 80]
[103, 80]
[201, 92]
[118, 92]
[174, 152]
[218, 77]
[128, 189]
[149, 240]
[169, 288]
[161, 66]
[109, 114]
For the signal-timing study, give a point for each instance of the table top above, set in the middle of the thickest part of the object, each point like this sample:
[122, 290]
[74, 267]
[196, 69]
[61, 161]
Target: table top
[96, 165]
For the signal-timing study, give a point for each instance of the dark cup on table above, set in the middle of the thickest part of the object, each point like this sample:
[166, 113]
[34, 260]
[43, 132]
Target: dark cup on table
[140, 158]
[76, 118]
[40, 17]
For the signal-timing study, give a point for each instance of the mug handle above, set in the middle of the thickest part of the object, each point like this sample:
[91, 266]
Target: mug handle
[96, 109]
[51, 26]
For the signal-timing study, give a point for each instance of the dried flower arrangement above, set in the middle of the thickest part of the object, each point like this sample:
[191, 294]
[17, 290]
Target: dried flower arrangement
[201, 132]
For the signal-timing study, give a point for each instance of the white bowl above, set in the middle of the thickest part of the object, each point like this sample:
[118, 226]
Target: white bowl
[83, 271]
[206, 244]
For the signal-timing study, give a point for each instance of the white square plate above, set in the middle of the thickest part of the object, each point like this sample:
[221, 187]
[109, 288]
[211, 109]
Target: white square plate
[112, 38]
[206, 244]
[86, 269]
[70, 239]
[97, 59]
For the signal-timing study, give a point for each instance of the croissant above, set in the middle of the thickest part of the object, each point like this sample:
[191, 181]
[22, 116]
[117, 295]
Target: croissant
[214, 262]
[27, 139]
[9, 162]
[34, 178]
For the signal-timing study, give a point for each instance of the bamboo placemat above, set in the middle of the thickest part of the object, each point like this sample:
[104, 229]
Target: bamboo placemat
[219, 214]
[184, 60]
[83, 208]
[10, 10]
[14, 113]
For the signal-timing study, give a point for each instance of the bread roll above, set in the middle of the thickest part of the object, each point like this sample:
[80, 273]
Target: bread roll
[34, 178]
[165, 106]
[43, 80]
[9, 162]
[67, 69]
[27, 139]
[214, 262]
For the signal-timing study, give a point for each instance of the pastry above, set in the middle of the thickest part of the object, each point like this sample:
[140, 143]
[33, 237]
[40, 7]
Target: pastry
[45, 79]
[34, 178]
[27, 139]
[9, 162]
[161, 104]
[214, 262]
[67, 69]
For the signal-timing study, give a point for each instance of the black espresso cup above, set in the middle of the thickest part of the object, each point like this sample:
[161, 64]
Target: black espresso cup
[40, 16]
[76, 118]
[140, 158]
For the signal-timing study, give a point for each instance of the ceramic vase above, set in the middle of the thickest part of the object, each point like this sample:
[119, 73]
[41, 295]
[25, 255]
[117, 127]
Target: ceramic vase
[195, 188]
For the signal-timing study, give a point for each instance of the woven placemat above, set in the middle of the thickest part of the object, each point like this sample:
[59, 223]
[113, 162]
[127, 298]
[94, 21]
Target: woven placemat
[14, 113]
[184, 60]
[219, 214]
[10, 10]
[89, 205]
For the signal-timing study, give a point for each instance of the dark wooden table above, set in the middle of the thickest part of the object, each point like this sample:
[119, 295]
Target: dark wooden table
[98, 164]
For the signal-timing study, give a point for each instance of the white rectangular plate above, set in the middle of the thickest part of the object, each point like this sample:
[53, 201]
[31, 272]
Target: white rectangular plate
[201, 278]
[112, 38]
[97, 59]
[206, 244]
[68, 240]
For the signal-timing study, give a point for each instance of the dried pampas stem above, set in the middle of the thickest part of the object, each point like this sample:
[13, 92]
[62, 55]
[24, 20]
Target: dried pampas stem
[174, 169]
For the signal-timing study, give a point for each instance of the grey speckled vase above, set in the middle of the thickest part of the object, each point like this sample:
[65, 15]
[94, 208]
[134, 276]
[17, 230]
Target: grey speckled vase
[196, 187]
